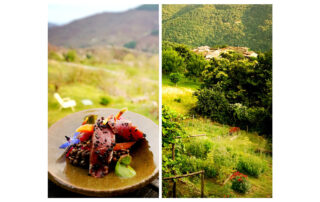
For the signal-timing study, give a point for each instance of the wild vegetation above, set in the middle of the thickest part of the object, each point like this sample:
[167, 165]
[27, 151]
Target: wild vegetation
[218, 153]
[113, 78]
[234, 25]
[229, 99]
[235, 90]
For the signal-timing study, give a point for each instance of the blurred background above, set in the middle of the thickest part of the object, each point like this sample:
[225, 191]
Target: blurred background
[102, 56]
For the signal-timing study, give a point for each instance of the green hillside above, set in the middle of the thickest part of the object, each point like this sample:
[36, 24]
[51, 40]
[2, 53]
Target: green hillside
[234, 25]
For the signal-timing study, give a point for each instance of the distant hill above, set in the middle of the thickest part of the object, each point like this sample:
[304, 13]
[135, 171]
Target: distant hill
[234, 25]
[137, 29]
[50, 25]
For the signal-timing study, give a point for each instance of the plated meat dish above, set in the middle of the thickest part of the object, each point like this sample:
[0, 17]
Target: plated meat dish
[103, 144]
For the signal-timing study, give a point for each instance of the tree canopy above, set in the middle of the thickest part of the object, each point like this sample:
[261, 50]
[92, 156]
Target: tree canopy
[235, 25]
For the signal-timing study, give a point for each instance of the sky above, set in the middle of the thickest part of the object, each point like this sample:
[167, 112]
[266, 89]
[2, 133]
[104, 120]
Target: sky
[65, 13]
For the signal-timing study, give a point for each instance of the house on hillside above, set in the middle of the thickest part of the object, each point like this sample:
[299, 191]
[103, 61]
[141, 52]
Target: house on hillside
[202, 49]
[209, 53]
[251, 54]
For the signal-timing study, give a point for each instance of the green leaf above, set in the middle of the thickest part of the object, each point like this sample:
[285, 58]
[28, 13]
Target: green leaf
[123, 169]
[126, 160]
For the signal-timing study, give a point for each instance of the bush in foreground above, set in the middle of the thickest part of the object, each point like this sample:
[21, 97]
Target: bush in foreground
[192, 164]
[199, 148]
[251, 165]
[175, 77]
[240, 182]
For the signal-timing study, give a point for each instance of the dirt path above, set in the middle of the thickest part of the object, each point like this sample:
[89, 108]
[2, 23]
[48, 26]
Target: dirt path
[92, 68]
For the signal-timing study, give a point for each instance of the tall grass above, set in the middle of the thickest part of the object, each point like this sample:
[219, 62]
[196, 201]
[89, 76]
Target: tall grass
[251, 165]
[199, 148]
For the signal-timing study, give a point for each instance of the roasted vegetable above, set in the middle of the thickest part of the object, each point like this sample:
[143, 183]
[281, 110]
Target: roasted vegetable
[123, 146]
[86, 128]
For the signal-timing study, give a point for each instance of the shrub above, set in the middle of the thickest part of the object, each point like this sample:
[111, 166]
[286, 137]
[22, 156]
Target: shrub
[240, 182]
[105, 100]
[89, 56]
[210, 169]
[213, 104]
[131, 44]
[170, 127]
[192, 164]
[175, 77]
[260, 119]
[178, 100]
[70, 56]
[225, 161]
[251, 165]
[199, 148]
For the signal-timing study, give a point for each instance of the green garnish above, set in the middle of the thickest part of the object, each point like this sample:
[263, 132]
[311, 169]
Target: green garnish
[90, 119]
[123, 169]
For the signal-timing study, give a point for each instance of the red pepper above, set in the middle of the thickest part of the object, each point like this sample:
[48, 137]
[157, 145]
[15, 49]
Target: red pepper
[67, 155]
[124, 145]
[84, 136]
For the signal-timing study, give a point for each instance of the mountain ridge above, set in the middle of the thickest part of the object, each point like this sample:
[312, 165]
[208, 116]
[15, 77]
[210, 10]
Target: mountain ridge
[110, 28]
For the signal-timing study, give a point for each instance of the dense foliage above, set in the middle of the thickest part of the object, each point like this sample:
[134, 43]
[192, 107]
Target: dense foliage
[179, 58]
[238, 91]
[171, 129]
[251, 165]
[172, 62]
[175, 77]
[199, 148]
[235, 25]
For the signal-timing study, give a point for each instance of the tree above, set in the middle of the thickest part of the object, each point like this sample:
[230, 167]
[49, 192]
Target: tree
[175, 77]
[238, 91]
[172, 62]
[195, 65]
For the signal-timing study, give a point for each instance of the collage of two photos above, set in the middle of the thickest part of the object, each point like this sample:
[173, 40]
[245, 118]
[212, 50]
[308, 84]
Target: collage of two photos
[112, 134]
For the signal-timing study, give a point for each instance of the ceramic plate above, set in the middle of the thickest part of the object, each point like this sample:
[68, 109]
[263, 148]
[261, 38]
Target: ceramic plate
[145, 157]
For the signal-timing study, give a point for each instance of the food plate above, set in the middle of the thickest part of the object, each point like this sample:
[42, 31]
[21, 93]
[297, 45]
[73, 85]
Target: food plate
[145, 157]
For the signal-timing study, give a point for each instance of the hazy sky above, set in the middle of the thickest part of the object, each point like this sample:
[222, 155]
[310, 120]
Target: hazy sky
[65, 13]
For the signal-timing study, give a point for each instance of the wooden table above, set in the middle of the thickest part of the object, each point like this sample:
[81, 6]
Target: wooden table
[149, 191]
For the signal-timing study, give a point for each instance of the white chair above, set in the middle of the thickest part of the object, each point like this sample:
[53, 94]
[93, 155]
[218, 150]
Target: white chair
[65, 102]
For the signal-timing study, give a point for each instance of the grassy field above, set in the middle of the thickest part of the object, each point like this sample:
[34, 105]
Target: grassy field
[224, 153]
[183, 91]
[133, 85]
